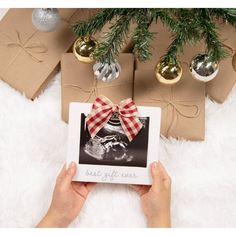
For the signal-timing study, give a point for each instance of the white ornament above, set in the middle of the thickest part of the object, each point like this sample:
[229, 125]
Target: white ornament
[107, 72]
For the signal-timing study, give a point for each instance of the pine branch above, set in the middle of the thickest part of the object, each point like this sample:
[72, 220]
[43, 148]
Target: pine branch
[94, 24]
[183, 32]
[112, 42]
[142, 36]
[227, 14]
[167, 18]
[209, 31]
[186, 25]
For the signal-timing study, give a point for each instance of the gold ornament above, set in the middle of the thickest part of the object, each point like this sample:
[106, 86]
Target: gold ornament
[167, 73]
[234, 61]
[83, 49]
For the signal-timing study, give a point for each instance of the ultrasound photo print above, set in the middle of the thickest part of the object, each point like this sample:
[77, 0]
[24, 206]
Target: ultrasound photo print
[111, 146]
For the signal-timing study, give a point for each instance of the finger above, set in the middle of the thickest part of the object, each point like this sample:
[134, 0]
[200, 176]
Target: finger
[135, 187]
[90, 186]
[140, 189]
[70, 173]
[62, 174]
[164, 173]
[83, 188]
[157, 179]
[80, 188]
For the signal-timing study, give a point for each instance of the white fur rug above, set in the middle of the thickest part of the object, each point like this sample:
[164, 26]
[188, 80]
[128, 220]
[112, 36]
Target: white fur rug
[33, 142]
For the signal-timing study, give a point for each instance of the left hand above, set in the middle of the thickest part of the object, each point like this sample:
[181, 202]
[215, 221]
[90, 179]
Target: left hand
[68, 199]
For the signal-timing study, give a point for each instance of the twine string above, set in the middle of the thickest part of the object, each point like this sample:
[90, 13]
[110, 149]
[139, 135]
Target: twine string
[229, 47]
[94, 90]
[177, 108]
[30, 49]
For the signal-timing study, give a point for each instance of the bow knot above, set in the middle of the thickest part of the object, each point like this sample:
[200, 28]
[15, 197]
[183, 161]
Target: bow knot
[178, 108]
[36, 47]
[103, 109]
[176, 105]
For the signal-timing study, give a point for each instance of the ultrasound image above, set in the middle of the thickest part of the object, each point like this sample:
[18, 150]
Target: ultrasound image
[111, 146]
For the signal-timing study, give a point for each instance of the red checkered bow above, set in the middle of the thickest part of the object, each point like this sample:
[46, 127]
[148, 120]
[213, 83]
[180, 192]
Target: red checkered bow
[102, 111]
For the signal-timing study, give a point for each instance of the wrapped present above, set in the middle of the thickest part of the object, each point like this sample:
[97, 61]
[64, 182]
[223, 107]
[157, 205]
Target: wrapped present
[219, 88]
[29, 57]
[183, 104]
[79, 84]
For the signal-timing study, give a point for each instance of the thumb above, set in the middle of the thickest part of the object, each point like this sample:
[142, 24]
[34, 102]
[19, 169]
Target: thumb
[70, 173]
[156, 176]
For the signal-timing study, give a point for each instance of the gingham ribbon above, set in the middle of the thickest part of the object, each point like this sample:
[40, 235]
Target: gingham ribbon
[102, 111]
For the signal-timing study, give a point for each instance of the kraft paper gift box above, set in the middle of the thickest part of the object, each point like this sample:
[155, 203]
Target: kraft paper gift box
[219, 88]
[80, 85]
[28, 57]
[183, 104]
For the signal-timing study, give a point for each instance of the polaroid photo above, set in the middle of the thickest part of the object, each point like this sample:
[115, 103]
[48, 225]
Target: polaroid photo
[109, 157]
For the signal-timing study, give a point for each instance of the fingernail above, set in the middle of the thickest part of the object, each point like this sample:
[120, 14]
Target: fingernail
[155, 164]
[72, 165]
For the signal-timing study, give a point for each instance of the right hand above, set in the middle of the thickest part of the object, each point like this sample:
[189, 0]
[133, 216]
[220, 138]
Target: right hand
[155, 199]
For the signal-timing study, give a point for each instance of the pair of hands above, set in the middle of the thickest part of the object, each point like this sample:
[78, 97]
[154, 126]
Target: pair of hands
[69, 197]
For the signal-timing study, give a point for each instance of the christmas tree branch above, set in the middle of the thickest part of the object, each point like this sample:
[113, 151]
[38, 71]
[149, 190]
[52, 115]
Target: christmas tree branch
[94, 24]
[209, 32]
[227, 14]
[142, 36]
[186, 25]
[113, 40]
[184, 31]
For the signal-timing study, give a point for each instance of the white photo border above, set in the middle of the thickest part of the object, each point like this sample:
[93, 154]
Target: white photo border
[108, 173]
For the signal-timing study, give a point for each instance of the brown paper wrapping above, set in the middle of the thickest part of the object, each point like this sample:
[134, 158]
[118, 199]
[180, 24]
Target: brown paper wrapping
[220, 87]
[183, 104]
[29, 57]
[79, 84]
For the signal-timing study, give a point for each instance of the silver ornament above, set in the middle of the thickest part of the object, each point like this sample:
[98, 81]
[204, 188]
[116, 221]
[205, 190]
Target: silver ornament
[203, 68]
[107, 72]
[45, 19]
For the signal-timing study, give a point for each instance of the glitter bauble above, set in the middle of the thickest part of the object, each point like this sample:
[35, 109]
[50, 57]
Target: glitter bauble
[45, 19]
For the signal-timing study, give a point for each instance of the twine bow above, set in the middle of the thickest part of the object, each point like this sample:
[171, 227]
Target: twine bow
[30, 49]
[94, 89]
[102, 111]
[177, 110]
